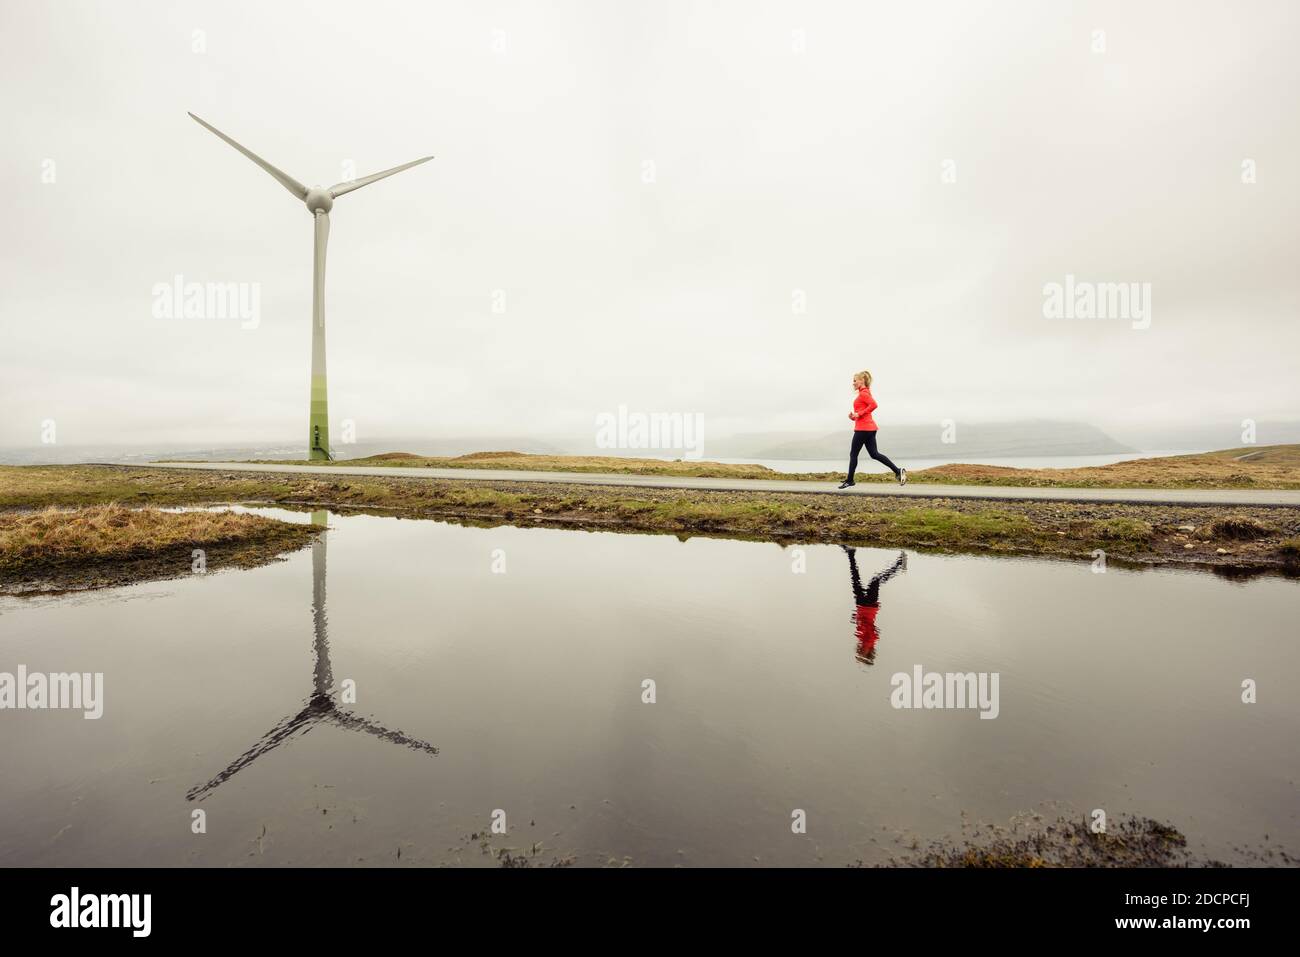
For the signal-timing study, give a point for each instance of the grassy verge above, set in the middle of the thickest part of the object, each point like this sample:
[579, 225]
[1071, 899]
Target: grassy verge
[59, 549]
[1249, 540]
[1261, 467]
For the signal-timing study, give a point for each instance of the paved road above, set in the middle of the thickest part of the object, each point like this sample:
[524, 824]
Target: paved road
[1138, 495]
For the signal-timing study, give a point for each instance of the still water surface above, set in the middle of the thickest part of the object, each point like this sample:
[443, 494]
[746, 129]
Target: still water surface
[503, 669]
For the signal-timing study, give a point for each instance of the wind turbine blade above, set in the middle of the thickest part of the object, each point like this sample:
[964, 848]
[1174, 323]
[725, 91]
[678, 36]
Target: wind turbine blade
[346, 719]
[287, 181]
[281, 733]
[338, 189]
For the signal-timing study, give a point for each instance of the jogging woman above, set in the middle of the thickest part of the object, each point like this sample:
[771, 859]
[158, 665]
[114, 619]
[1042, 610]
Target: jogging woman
[864, 432]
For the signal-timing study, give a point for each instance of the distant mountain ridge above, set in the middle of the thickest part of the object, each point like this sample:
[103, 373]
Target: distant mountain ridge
[142, 453]
[1032, 437]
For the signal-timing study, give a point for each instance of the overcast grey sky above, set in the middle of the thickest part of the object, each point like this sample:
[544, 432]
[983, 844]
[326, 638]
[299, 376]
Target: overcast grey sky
[795, 146]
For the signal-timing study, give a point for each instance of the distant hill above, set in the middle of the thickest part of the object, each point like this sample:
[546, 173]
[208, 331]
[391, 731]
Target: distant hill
[1210, 432]
[456, 445]
[987, 439]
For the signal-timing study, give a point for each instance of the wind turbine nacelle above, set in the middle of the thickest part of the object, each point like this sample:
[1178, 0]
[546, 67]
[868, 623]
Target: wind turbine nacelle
[319, 200]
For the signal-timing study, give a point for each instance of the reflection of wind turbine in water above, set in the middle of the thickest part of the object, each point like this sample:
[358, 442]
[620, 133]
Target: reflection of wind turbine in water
[320, 707]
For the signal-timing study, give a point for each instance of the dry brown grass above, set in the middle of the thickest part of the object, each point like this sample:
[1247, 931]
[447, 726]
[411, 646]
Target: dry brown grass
[59, 538]
[1267, 467]
[1239, 528]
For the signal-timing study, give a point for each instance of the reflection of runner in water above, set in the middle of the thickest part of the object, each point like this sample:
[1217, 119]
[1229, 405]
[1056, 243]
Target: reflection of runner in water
[868, 602]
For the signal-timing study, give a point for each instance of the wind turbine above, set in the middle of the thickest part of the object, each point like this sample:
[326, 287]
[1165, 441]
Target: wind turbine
[319, 202]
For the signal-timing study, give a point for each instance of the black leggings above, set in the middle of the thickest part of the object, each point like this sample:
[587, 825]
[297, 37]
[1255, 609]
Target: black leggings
[867, 438]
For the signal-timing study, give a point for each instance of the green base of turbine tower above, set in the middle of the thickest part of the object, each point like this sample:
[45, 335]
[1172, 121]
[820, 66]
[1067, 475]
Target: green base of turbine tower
[318, 426]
